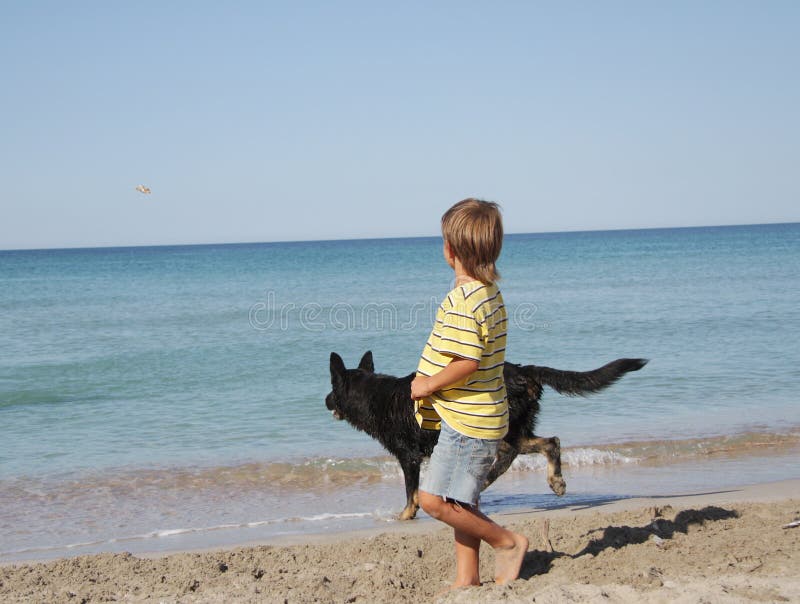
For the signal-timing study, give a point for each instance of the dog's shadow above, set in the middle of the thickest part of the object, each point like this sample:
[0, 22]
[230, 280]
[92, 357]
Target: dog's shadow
[617, 537]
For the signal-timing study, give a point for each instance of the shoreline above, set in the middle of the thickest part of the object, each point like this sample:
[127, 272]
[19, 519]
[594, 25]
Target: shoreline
[227, 507]
[751, 493]
[716, 545]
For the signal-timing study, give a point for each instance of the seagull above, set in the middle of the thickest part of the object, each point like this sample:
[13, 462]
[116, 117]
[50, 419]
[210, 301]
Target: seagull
[143, 189]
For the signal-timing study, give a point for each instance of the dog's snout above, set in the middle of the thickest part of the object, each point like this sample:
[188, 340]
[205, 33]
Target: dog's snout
[330, 403]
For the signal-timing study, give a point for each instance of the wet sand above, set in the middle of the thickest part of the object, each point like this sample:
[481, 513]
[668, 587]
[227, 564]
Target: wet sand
[726, 546]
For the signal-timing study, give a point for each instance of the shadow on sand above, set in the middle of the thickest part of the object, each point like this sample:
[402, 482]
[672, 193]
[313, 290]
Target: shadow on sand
[616, 537]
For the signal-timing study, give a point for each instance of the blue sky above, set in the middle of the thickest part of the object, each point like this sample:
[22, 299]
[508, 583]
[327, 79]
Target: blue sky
[262, 121]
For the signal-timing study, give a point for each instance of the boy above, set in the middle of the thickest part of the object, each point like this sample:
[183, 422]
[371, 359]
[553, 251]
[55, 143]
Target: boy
[459, 389]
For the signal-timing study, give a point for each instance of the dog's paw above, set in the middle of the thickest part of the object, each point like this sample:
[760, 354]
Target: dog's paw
[407, 514]
[558, 484]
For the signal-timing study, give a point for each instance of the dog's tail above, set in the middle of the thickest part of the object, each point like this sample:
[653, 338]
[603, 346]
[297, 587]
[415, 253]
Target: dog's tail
[582, 383]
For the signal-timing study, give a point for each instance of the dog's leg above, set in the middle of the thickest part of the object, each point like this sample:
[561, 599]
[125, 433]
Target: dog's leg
[506, 454]
[411, 476]
[412, 505]
[551, 449]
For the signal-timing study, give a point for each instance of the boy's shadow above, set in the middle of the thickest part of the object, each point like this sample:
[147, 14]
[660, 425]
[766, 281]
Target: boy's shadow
[616, 537]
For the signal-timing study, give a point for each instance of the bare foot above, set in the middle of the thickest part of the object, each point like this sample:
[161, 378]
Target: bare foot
[508, 561]
[454, 587]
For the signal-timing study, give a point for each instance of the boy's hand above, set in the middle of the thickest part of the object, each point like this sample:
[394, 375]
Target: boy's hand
[455, 371]
[420, 387]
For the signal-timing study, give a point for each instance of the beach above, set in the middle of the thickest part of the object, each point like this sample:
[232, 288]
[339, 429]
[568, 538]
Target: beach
[722, 546]
[165, 435]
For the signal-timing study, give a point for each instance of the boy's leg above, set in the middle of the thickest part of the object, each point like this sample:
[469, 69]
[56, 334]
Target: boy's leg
[510, 548]
[467, 559]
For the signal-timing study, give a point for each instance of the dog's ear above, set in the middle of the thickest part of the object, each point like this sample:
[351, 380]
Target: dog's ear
[338, 370]
[366, 363]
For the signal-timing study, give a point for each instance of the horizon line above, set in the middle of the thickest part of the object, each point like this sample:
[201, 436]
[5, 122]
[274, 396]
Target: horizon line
[395, 237]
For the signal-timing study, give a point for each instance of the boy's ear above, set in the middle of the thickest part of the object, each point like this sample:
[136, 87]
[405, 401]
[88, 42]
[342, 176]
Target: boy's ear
[338, 370]
[448, 251]
[366, 363]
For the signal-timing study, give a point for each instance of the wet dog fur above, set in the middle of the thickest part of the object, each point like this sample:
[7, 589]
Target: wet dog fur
[381, 406]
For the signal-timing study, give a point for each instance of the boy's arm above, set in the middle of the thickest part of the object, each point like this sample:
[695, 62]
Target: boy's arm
[456, 370]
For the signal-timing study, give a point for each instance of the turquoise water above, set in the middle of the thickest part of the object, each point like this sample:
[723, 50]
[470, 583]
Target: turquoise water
[181, 365]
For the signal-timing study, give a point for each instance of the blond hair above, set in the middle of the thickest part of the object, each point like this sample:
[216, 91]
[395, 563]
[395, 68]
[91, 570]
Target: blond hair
[474, 230]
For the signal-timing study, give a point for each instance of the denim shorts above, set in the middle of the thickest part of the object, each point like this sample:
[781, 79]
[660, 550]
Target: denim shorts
[459, 466]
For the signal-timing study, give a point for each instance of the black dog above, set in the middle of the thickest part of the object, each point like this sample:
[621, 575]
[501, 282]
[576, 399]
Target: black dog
[381, 406]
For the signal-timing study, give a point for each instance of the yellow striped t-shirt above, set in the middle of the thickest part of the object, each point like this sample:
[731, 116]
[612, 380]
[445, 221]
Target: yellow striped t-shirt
[471, 324]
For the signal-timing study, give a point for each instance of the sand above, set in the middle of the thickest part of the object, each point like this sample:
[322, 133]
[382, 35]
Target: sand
[718, 547]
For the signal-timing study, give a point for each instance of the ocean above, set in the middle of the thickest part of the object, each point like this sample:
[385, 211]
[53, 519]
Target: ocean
[172, 397]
